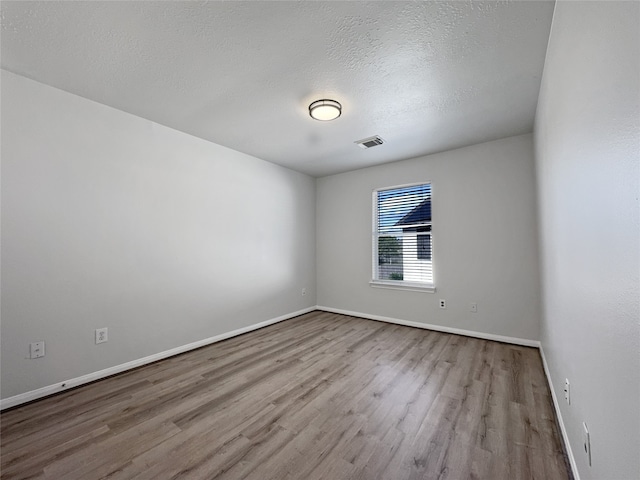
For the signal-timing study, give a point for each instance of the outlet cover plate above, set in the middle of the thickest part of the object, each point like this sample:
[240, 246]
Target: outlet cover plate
[586, 440]
[36, 350]
[102, 335]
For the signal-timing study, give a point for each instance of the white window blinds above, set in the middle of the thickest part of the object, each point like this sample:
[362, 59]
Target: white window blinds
[402, 235]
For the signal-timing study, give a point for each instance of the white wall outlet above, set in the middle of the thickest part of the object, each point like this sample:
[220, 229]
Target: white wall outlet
[304, 292]
[443, 303]
[586, 440]
[102, 335]
[567, 391]
[474, 307]
[36, 350]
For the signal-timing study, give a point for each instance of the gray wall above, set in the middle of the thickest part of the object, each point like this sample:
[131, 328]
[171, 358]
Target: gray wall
[588, 150]
[484, 239]
[109, 220]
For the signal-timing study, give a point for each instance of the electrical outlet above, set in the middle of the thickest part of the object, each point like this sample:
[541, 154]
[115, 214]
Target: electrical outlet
[443, 303]
[102, 335]
[586, 440]
[36, 350]
[304, 292]
[474, 307]
[567, 391]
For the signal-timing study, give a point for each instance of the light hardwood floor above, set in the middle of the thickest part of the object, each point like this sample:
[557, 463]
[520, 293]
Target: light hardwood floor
[321, 396]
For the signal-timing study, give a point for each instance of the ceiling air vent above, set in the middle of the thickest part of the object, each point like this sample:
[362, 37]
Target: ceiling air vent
[369, 142]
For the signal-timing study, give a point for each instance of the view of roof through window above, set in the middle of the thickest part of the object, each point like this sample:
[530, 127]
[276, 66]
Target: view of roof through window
[398, 207]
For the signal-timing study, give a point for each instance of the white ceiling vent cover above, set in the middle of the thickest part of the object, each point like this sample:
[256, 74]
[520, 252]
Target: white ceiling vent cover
[369, 142]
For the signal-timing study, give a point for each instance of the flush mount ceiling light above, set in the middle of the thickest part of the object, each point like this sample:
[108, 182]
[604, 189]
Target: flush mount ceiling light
[325, 110]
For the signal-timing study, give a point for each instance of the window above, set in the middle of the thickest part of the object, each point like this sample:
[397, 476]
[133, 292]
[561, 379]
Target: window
[402, 246]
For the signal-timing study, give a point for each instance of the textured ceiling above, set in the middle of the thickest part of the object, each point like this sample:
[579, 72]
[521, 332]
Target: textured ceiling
[425, 76]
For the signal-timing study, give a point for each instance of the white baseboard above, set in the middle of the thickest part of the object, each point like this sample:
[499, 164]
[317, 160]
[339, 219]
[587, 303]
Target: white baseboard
[107, 372]
[556, 406]
[439, 328]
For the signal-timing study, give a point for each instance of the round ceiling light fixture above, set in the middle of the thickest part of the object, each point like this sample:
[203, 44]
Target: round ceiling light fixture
[325, 110]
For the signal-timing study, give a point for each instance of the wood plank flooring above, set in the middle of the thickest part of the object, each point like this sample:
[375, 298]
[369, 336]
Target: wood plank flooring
[321, 396]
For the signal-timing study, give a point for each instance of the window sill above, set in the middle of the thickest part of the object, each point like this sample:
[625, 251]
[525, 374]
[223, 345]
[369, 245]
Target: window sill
[414, 287]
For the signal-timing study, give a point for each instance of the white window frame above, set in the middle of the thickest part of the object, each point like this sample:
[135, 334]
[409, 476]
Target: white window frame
[398, 284]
